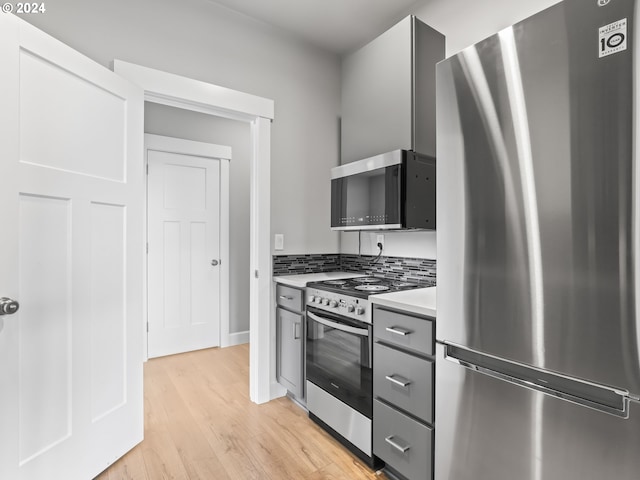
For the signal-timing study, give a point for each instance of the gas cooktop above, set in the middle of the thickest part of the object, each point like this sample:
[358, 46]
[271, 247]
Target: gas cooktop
[362, 287]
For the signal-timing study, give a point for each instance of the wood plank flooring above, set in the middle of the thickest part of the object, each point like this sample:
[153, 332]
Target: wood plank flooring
[200, 424]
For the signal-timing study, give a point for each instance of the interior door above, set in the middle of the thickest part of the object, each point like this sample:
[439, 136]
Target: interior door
[71, 251]
[184, 245]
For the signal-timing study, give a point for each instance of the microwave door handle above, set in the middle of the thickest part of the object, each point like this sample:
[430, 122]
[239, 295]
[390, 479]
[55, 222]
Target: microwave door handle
[363, 332]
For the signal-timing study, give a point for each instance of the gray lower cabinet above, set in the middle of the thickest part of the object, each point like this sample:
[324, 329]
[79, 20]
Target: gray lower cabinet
[403, 390]
[402, 442]
[290, 339]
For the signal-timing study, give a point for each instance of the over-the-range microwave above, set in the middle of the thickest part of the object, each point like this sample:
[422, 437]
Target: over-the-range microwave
[395, 190]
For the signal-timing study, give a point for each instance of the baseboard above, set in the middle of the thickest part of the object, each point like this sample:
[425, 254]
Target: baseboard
[237, 338]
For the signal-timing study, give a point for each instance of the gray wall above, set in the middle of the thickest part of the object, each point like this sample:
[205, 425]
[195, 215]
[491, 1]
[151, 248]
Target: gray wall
[174, 122]
[198, 39]
[463, 22]
[201, 40]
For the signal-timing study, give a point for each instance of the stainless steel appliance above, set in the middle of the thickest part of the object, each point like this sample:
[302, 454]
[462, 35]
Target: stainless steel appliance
[339, 357]
[390, 191]
[538, 365]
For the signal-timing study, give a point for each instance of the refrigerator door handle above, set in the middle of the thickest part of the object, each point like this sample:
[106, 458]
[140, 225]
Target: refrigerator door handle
[604, 398]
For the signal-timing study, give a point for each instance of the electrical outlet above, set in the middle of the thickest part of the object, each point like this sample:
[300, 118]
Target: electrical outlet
[380, 240]
[279, 241]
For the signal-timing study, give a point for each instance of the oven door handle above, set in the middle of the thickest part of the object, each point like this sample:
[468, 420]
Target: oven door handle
[363, 332]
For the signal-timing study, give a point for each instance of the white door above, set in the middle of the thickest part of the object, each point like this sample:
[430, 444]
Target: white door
[184, 206]
[71, 253]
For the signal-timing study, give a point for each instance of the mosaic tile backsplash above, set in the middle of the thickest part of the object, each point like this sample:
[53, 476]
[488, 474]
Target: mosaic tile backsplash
[296, 264]
[418, 270]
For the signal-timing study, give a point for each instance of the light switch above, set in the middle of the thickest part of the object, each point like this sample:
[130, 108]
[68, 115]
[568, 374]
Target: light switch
[279, 241]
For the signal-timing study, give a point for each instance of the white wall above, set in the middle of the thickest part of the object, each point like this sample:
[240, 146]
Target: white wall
[463, 22]
[418, 244]
[174, 122]
[201, 40]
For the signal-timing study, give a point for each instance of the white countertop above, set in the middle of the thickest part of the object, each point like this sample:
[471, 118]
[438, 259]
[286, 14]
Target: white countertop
[301, 280]
[419, 300]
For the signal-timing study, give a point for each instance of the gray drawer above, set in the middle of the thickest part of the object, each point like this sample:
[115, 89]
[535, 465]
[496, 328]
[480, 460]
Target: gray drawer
[391, 426]
[391, 368]
[407, 331]
[290, 297]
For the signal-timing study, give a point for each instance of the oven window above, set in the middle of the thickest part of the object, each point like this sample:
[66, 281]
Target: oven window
[340, 363]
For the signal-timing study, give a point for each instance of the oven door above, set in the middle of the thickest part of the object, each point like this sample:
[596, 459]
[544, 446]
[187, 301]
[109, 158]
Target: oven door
[339, 358]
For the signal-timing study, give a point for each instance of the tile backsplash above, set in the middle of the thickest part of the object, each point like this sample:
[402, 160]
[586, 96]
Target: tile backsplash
[296, 264]
[418, 270]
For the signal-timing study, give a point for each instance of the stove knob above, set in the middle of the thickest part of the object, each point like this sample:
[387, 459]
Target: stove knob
[360, 311]
[318, 299]
[312, 298]
[333, 304]
[350, 308]
[325, 301]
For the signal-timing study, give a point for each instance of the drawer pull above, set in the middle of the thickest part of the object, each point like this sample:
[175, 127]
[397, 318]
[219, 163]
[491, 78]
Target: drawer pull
[396, 445]
[399, 331]
[398, 380]
[285, 297]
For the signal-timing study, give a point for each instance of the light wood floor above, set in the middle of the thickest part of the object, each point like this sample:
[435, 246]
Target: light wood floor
[200, 424]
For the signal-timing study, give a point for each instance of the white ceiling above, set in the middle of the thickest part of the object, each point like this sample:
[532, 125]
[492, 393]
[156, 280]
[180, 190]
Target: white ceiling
[339, 26]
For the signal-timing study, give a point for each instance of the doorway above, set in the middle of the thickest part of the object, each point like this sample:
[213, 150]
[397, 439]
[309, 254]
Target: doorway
[193, 95]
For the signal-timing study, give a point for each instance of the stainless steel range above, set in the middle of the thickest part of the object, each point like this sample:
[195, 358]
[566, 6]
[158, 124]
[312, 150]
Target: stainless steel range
[339, 345]
[350, 297]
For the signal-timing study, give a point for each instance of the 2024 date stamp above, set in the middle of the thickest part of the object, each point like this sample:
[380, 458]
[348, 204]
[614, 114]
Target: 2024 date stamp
[20, 8]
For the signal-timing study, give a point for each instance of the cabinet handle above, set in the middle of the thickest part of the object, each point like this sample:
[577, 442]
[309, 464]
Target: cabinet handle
[285, 297]
[397, 446]
[296, 335]
[403, 382]
[399, 331]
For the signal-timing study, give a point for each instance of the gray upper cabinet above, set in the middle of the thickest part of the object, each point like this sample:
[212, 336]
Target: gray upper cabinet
[388, 92]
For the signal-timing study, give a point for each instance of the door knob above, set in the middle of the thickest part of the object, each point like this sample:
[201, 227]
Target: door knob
[8, 306]
[214, 262]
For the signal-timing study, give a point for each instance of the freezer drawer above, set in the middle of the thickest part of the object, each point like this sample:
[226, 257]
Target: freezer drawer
[403, 330]
[402, 442]
[489, 428]
[404, 380]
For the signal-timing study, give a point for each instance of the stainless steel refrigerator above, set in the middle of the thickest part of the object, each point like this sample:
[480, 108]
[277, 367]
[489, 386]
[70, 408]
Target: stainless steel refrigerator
[538, 207]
